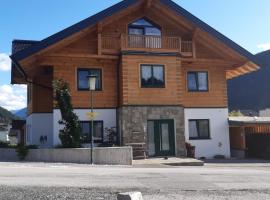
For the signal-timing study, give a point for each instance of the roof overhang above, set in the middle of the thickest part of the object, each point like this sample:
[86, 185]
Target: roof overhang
[251, 65]
[248, 121]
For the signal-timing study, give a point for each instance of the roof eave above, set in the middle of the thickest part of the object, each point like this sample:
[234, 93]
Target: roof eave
[72, 30]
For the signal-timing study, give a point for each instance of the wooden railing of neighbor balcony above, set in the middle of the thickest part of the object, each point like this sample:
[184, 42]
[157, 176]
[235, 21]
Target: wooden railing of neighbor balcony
[151, 43]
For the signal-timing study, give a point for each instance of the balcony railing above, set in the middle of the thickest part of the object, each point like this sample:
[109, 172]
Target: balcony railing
[152, 43]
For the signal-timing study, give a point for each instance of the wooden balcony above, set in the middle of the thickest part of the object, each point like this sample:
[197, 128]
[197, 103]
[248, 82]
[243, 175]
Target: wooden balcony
[113, 44]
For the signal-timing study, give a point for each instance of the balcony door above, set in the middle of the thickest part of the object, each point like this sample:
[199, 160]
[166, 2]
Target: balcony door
[144, 34]
[161, 139]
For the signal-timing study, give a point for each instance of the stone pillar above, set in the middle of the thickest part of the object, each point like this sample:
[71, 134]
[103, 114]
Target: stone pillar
[133, 124]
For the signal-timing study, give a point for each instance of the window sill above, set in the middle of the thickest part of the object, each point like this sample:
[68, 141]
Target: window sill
[161, 87]
[196, 91]
[86, 90]
[200, 138]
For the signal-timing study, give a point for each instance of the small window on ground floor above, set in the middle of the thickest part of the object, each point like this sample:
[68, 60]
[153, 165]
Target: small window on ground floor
[87, 129]
[199, 129]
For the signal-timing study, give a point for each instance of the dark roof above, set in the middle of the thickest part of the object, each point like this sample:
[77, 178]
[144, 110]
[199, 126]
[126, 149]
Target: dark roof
[121, 6]
[17, 46]
[73, 29]
[18, 124]
[264, 57]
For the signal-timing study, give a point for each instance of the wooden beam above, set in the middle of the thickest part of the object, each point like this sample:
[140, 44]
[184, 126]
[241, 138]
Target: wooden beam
[99, 44]
[195, 33]
[149, 3]
[173, 16]
[208, 61]
[59, 45]
[99, 27]
[73, 55]
[218, 46]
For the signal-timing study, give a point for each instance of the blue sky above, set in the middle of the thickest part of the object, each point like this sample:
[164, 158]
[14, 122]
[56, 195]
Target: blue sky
[244, 21]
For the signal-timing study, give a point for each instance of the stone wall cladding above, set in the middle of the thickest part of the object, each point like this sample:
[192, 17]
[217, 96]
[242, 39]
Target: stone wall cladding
[133, 124]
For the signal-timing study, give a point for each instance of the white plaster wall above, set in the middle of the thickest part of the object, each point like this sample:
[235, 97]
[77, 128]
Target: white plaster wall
[108, 116]
[37, 125]
[265, 113]
[219, 132]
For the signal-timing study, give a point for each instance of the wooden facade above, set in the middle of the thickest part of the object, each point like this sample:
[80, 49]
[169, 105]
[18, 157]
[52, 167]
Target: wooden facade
[183, 46]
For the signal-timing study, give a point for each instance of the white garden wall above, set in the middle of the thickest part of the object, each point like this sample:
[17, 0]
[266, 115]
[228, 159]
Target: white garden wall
[219, 144]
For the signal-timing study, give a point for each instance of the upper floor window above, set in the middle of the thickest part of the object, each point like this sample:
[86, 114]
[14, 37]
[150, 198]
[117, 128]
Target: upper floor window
[199, 129]
[143, 27]
[197, 81]
[152, 76]
[82, 78]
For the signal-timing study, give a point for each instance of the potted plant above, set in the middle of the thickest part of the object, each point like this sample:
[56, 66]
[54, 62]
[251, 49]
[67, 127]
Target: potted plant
[190, 150]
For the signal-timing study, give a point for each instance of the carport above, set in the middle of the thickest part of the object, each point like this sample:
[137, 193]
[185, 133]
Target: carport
[250, 137]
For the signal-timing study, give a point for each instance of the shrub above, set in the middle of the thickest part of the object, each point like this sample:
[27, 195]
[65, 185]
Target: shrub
[4, 144]
[70, 135]
[22, 152]
[32, 146]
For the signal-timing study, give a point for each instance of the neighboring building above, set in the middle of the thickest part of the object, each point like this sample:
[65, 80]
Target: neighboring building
[250, 137]
[161, 81]
[17, 131]
[4, 128]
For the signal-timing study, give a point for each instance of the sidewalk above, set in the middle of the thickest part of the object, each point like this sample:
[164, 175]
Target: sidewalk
[172, 161]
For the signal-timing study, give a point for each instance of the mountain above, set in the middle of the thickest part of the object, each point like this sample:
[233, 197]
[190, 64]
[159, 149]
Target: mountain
[22, 113]
[251, 91]
[6, 116]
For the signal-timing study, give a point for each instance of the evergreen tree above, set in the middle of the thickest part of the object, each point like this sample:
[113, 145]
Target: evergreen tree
[71, 133]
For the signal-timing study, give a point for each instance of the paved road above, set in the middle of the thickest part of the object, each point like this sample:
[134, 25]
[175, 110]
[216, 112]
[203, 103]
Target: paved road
[59, 181]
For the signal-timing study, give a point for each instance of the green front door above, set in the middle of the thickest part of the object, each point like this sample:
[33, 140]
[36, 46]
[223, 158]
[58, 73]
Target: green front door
[161, 139]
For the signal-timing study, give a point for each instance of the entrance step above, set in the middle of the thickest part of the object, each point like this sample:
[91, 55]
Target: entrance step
[170, 162]
[139, 150]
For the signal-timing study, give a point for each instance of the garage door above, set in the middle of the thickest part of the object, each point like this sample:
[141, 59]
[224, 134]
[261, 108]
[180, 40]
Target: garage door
[258, 145]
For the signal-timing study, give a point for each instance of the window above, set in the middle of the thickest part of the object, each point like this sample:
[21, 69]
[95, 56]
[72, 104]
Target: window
[199, 129]
[152, 76]
[86, 131]
[143, 27]
[82, 78]
[197, 81]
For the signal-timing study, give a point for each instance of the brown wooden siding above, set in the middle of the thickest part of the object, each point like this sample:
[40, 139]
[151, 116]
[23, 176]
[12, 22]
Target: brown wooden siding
[237, 138]
[80, 53]
[86, 45]
[217, 94]
[107, 98]
[133, 94]
[42, 97]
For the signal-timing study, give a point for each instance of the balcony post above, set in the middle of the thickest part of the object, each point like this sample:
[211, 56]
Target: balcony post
[99, 44]
[122, 41]
[193, 48]
[180, 45]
